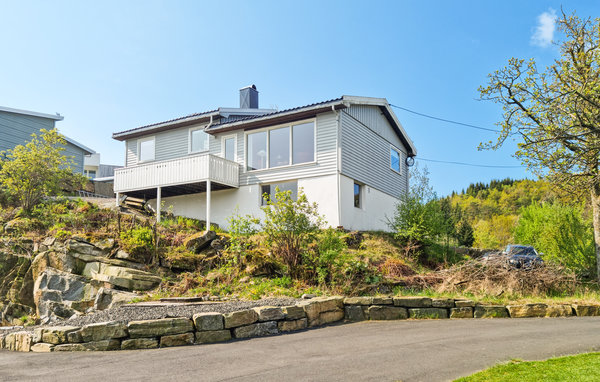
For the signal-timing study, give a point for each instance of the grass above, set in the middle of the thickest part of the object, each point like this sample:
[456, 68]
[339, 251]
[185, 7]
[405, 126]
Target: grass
[583, 367]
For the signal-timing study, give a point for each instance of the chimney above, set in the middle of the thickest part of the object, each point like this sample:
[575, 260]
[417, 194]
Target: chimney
[249, 97]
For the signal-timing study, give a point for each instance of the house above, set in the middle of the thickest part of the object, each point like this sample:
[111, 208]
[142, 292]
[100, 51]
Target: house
[16, 127]
[349, 155]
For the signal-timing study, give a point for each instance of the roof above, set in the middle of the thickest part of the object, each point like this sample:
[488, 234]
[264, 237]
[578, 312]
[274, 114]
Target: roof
[56, 117]
[77, 144]
[264, 117]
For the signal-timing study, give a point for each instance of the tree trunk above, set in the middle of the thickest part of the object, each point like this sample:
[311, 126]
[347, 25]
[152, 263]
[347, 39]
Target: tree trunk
[595, 196]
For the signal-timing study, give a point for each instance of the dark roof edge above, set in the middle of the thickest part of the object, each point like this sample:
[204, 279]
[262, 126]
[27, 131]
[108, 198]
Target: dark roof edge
[165, 125]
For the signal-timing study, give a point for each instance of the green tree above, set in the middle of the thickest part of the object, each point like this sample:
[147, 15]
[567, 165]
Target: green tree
[38, 169]
[556, 112]
[464, 234]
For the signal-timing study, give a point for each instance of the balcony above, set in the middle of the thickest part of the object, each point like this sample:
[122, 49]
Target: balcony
[177, 176]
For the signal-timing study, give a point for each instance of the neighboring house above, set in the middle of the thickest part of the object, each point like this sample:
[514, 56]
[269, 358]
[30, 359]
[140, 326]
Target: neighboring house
[16, 127]
[347, 154]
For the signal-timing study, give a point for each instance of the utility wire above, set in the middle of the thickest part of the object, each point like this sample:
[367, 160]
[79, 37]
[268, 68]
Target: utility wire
[445, 120]
[467, 164]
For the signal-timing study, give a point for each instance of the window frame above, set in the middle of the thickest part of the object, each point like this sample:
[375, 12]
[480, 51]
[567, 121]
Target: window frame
[261, 200]
[360, 195]
[139, 149]
[291, 133]
[190, 131]
[399, 171]
[223, 152]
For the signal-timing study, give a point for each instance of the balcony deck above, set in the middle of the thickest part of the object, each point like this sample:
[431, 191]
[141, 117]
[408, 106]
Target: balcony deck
[177, 176]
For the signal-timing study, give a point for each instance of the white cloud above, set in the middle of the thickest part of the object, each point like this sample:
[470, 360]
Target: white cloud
[544, 31]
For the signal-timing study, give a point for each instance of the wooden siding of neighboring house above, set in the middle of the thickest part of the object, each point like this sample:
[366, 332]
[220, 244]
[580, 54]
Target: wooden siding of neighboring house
[366, 137]
[16, 129]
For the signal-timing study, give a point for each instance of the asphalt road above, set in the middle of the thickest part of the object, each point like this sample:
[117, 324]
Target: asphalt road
[423, 350]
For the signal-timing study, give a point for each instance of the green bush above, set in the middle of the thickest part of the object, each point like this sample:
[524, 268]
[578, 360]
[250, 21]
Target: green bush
[139, 242]
[329, 256]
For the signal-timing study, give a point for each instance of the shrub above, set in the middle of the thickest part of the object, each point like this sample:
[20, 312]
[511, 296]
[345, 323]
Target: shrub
[328, 259]
[139, 242]
[241, 227]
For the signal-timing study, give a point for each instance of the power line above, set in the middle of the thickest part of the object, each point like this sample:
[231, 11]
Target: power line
[468, 164]
[446, 120]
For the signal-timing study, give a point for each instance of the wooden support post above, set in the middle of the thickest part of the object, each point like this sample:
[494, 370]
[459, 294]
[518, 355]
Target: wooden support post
[207, 205]
[158, 203]
[117, 199]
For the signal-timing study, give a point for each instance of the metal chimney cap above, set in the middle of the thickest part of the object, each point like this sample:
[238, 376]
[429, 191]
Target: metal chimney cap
[248, 87]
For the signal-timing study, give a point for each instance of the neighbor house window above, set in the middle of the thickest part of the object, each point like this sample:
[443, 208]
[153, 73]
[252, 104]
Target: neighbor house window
[229, 148]
[257, 151]
[198, 141]
[286, 145]
[357, 195]
[146, 149]
[270, 190]
[395, 160]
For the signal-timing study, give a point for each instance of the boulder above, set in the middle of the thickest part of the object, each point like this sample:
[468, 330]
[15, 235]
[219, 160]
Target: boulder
[559, 311]
[42, 348]
[442, 303]
[55, 291]
[128, 278]
[384, 312]
[383, 301]
[160, 327]
[208, 321]
[269, 313]
[259, 329]
[240, 318]
[290, 326]
[103, 345]
[212, 336]
[462, 312]
[421, 313]
[177, 340]
[108, 298]
[527, 310]
[139, 343]
[464, 303]
[412, 302]
[199, 241]
[490, 311]
[81, 246]
[18, 341]
[103, 331]
[57, 335]
[354, 313]
[586, 310]
[13, 312]
[358, 301]
[293, 312]
[323, 310]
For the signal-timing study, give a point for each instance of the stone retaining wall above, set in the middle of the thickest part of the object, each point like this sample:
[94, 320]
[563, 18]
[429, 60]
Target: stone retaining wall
[205, 328]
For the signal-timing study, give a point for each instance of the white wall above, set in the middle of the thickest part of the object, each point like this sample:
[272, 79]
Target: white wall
[376, 207]
[322, 190]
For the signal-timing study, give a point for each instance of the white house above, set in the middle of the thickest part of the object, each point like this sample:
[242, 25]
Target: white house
[349, 155]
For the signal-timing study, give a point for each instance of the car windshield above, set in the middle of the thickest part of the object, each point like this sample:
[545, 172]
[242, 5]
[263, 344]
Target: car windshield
[520, 250]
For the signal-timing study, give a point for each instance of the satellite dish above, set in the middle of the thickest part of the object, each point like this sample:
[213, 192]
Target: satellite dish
[410, 161]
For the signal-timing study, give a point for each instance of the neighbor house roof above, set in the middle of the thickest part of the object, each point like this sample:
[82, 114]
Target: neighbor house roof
[56, 117]
[77, 144]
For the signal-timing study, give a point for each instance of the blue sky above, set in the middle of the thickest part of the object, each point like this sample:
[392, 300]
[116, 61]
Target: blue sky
[114, 65]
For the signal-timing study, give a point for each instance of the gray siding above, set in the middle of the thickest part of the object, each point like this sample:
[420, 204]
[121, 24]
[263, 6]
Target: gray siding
[365, 150]
[16, 129]
[131, 152]
[76, 155]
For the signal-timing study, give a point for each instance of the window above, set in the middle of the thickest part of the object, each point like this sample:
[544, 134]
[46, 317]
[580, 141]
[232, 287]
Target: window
[91, 174]
[229, 148]
[270, 190]
[257, 151]
[198, 141]
[357, 195]
[281, 146]
[146, 149]
[395, 160]
[304, 143]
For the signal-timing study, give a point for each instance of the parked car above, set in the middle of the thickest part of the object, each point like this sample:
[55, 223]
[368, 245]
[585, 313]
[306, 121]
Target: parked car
[522, 256]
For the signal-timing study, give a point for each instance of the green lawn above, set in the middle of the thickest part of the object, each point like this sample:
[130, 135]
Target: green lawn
[583, 367]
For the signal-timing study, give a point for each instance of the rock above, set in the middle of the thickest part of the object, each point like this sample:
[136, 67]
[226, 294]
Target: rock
[442, 303]
[213, 336]
[122, 255]
[290, 326]
[108, 298]
[323, 310]
[420, 313]
[103, 345]
[199, 241]
[177, 340]
[379, 312]
[462, 312]
[527, 310]
[103, 331]
[240, 318]
[358, 301]
[269, 313]
[559, 311]
[74, 337]
[259, 329]
[383, 301]
[18, 341]
[208, 321]
[586, 310]
[464, 303]
[13, 311]
[139, 343]
[37, 335]
[354, 313]
[490, 311]
[58, 334]
[308, 296]
[412, 302]
[61, 288]
[81, 306]
[79, 245]
[293, 312]
[105, 245]
[127, 278]
[42, 348]
[160, 327]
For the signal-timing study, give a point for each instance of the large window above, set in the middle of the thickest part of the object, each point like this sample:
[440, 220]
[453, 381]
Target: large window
[395, 160]
[257, 151]
[198, 141]
[286, 145]
[269, 190]
[146, 149]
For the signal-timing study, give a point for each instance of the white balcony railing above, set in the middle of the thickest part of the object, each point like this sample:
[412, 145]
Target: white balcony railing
[191, 169]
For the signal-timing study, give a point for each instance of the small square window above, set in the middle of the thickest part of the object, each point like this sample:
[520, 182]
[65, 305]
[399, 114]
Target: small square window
[357, 195]
[198, 141]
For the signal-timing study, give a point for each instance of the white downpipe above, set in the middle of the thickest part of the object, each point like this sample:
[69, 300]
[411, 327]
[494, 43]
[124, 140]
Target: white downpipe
[208, 205]
[158, 203]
